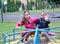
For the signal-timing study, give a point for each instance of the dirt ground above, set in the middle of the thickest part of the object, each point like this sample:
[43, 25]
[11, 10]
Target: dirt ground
[42, 40]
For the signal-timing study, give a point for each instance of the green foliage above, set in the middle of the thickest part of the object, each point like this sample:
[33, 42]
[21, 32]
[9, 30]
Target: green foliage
[0, 4]
[30, 4]
[12, 7]
[39, 4]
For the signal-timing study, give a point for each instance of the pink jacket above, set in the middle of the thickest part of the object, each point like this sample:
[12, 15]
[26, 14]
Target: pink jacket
[28, 24]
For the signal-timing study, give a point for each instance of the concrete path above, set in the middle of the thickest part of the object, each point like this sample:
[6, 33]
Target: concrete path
[15, 16]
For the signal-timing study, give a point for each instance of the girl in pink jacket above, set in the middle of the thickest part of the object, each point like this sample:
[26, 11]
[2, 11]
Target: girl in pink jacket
[28, 22]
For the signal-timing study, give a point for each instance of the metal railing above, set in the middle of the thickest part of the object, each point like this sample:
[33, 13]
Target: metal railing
[36, 37]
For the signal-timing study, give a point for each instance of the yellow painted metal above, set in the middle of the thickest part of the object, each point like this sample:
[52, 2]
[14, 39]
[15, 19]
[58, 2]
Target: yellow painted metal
[54, 42]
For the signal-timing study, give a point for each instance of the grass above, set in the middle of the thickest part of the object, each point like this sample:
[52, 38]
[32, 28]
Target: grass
[35, 11]
[7, 27]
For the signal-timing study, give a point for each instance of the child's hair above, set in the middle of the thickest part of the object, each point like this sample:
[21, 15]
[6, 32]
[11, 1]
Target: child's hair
[43, 11]
[26, 11]
[23, 19]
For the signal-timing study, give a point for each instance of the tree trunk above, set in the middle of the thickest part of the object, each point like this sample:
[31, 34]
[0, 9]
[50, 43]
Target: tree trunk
[14, 1]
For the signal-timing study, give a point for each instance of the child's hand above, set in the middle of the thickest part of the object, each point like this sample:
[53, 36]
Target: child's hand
[17, 28]
[46, 18]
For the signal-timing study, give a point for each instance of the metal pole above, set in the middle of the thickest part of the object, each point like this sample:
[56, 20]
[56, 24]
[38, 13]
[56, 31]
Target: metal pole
[27, 5]
[2, 10]
[53, 6]
[4, 38]
[37, 37]
[46, 4]
[14, 34]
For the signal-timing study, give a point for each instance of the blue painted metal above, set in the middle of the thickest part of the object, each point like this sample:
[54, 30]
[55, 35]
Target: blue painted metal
[8, 40]
[53, 27]
[22, 38]
[26, 42]
[47, 35]
[20, 32]
[37, 37]
[14, 34]
[4, 38]
[43, 30]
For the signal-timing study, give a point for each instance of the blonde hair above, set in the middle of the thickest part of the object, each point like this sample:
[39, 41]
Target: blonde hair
[43, 11]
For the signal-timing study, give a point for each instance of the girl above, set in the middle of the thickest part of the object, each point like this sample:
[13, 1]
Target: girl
[43, 22]
[28, 22]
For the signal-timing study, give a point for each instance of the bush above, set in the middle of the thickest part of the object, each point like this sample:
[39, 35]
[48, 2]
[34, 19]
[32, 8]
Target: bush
[29, 7]
[30, 4]
[11, 7]
[40, 6]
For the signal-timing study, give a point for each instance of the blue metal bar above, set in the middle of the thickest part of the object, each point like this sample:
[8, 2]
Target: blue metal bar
[7, 37]
[24, 29]
[22, 38]
[13, 34]
[4, 38]
[47, 35]
[9, 40]
[52, 27]
[20, 32]
[43, 30]
[37, 37]
[26, 42]
[20, 28]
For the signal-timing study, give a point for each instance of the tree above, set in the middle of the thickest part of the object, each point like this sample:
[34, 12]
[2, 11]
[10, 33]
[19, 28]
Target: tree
[38, 4]
[11, 6]
[15, 1]
[0, 4]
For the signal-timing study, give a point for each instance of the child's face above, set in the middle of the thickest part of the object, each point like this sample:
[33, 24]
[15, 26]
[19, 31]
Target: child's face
[26, 15]
[43, 15]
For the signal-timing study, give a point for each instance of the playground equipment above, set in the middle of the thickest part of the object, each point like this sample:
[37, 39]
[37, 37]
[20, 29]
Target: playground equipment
[36, 37]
